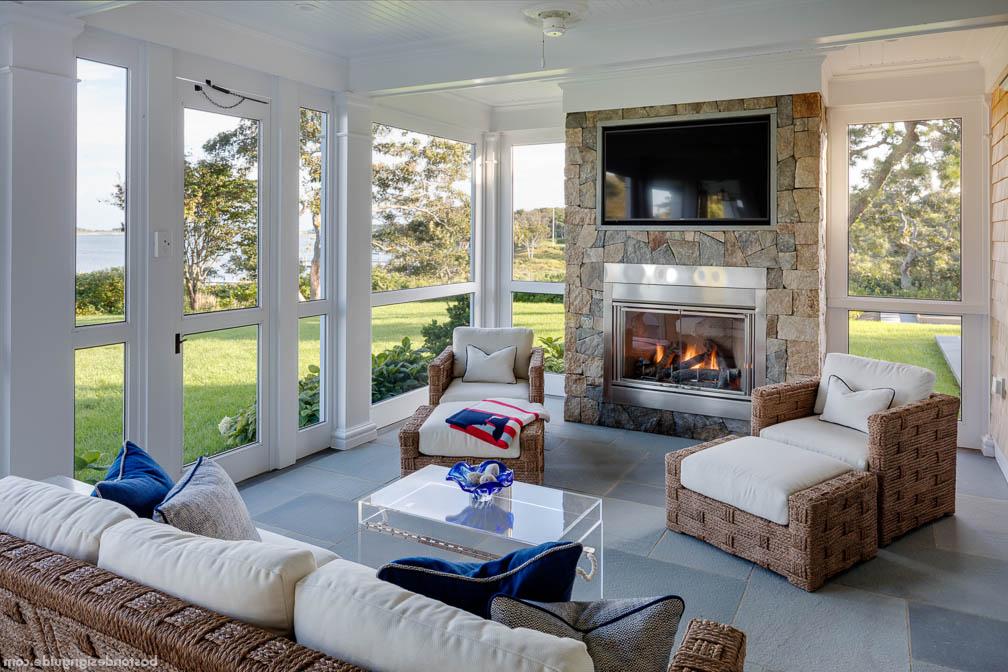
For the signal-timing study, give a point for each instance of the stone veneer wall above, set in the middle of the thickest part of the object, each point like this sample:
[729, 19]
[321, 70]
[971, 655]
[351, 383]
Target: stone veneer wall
[999, 267]
[792, 251]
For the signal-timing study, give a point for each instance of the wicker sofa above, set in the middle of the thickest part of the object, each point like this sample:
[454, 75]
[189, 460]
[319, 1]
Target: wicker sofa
[911, 450]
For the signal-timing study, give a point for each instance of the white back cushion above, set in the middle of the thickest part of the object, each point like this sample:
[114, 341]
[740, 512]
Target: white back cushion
[493, 367]
[57, 518]
[344, 610]
[490, 341]
[852, 408]
[911, 383]
[247, 580]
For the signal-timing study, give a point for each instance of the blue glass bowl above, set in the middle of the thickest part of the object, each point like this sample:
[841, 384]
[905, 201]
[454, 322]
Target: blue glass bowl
[460, 473]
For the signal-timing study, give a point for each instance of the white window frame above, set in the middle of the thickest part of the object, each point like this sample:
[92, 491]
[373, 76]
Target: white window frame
[974, 302]
[553, 382]
[393, 410]
[124, 54]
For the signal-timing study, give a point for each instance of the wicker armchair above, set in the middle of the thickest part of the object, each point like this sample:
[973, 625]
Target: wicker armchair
[911, 450]
[441, 373]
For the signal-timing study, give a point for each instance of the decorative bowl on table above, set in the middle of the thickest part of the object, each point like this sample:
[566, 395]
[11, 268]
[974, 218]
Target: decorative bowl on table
[482, 481]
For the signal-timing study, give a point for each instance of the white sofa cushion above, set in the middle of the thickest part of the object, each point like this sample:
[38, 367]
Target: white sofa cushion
[836, 441]
[490, 341]
[438, 438]
[321, 555]
[458, 390]
[54, 517]
[910, 383]
[757, 475]
[344, 610]
[247, 580]
[489, 367]
[852, 408]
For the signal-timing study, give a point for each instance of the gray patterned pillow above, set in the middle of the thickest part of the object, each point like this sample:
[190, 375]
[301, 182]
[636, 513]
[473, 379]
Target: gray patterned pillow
[206, 502]
[634, 635]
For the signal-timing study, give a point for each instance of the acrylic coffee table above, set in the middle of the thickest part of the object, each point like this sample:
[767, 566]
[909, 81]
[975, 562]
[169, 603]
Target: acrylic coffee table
[424, 514]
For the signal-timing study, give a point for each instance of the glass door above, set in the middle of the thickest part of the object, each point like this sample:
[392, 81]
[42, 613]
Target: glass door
[905, 230]
[224, 275]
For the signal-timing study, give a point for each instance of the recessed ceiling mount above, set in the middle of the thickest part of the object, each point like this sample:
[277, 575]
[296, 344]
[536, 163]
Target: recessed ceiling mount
[555, 17]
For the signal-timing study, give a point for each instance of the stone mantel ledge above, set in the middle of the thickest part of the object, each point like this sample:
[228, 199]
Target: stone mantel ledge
[792, 252]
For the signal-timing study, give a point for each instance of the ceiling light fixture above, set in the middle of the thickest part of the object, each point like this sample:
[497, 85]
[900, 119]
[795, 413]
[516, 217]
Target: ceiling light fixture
[553, 19]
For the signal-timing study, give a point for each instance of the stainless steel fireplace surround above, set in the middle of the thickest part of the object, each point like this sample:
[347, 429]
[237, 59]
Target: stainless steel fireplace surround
[684, 338]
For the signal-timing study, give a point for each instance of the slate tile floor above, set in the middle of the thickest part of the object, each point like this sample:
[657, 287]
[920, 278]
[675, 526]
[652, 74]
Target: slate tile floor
[934, 601]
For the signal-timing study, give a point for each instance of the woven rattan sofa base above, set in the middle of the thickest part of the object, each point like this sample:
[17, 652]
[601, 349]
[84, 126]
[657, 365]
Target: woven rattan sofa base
[54, 608]
[528, 466]
[832, 526]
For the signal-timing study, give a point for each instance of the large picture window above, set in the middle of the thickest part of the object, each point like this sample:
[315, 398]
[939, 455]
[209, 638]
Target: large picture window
[537, 206]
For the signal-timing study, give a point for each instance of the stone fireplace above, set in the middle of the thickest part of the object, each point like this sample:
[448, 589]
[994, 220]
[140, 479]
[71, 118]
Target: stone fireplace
[616, 381]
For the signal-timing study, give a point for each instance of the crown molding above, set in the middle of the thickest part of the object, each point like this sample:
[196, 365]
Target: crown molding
[995, 61]
[12, 13]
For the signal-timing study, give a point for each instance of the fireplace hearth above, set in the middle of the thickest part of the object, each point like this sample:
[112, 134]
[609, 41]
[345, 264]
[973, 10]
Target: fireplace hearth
[684, 338]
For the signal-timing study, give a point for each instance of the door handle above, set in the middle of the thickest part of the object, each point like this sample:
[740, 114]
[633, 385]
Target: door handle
[178, 343]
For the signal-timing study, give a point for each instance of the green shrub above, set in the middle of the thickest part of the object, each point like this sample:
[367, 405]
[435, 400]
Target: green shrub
[528, 297]
[101, 292]
[309, 397]
[438, 335]
[399, 369]
[240, 429]
[553, 353]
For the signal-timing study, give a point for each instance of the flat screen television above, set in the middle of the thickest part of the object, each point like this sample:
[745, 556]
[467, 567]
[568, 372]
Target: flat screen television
[709, 171]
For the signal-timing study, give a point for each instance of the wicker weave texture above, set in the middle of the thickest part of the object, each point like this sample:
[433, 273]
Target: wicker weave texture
[55, 607]
[911, 450]
[832, 525]
[528, 466]
[709, 646]
[441, 372]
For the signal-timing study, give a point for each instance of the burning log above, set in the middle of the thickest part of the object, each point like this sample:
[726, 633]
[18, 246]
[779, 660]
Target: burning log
[695, 360]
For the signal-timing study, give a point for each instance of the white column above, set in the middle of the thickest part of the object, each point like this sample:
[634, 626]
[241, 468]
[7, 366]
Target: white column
[37, 215]
[491, 295]
[351, 334]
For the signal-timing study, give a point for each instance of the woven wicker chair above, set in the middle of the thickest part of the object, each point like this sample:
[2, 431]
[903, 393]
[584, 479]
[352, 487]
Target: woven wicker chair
[441, 373]
[911, 450]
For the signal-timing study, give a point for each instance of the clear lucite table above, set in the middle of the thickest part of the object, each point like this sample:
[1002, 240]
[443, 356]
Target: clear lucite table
[424, 514]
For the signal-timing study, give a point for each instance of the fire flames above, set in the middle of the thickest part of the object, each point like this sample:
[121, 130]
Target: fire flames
[710, 362]
[659, 354]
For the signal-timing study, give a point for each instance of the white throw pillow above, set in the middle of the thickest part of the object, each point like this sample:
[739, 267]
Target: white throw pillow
[851, 408]
[496, 367]
[56, 518]
[912, 383]
[248, 580]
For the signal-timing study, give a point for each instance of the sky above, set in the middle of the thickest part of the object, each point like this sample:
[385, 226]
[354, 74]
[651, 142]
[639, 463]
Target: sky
[537, 173]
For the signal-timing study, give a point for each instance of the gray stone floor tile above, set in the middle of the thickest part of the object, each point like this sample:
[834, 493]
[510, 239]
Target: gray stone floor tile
[263, 495]
[315, 515]
[640, 493]
[833, 629]
[957, 640]
[649, 471]
[920, 666]
[684, 550]
[630, 526]
[954, 580]
[979, 476]
[978, 528]
[309, 478]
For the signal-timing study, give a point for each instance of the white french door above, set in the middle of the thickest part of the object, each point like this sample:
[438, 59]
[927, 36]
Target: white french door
[908, 244]
[224, 275]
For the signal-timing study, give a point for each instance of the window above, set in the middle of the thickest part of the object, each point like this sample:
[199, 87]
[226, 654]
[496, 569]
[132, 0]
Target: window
[99, 409]
[537, 205]
[904, 209]
[311, 336]
[311, 233]
[544, 315]
[221, 232]
[405, 337]
[421, 210]
[101, 193]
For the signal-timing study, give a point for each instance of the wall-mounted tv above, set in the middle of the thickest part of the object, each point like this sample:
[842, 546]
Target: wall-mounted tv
[709, 171]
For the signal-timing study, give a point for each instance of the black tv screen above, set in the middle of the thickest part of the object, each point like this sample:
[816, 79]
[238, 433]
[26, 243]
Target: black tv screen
[703, 171]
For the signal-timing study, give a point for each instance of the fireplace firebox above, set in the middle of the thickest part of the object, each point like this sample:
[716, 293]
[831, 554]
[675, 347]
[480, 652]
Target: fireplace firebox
[684, 338]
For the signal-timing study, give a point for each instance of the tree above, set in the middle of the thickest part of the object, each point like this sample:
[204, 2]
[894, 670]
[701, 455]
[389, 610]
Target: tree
[421, 206]
[904, 209]
[312, 134]
[531, 229]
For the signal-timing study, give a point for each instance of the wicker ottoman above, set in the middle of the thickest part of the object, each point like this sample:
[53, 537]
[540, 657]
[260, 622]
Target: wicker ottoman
[528, 467]
[831, 526]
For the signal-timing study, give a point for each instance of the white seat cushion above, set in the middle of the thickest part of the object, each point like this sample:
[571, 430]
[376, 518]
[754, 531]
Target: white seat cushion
[460, 391]
[56, 518]
[321, 555]
[490, 341]
[344, 610]
[836, 441]
[437, 438]
[247, 580]
[757, 475]
[910, 383]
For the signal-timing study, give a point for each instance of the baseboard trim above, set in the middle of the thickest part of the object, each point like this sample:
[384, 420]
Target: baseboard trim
[1001, 459]
[349, 437]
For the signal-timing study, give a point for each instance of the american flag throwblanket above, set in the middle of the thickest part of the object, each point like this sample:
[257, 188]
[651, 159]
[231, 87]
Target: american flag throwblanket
[496, 421]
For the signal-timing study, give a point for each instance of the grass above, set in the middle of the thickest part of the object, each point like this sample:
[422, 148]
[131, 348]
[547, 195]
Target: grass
[909, 343]
[549, 264]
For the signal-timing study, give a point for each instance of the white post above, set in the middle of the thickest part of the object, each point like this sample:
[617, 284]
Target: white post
[351, 336]
[489, 281]
[37, 219]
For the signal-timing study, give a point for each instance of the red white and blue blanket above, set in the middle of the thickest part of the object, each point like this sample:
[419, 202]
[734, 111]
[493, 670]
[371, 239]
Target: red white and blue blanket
[496, 421]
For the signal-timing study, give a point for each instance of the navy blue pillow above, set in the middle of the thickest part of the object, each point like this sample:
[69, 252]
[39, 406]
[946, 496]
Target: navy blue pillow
[135, 480]
[544, 573]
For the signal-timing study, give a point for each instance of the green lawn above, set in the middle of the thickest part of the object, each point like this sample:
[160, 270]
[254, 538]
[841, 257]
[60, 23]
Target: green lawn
[549, 264]
[910, 343]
